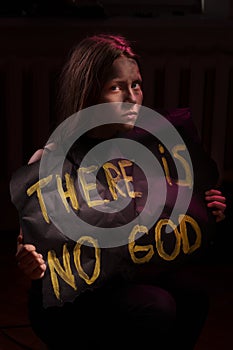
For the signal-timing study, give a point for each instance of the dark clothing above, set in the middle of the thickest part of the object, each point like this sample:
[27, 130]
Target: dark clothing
[168, 314]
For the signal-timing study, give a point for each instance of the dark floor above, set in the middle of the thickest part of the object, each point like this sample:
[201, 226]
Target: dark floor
[16, 334]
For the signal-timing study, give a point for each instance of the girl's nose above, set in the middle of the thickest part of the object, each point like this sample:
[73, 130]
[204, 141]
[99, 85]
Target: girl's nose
[130, 96]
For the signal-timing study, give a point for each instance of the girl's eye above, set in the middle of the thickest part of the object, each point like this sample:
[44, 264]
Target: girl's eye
[136, 85]
[114, 88]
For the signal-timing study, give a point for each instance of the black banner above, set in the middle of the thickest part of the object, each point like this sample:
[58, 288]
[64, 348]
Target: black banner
[93, 223]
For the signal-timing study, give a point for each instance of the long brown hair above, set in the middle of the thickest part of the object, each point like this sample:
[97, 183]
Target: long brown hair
[86, 69]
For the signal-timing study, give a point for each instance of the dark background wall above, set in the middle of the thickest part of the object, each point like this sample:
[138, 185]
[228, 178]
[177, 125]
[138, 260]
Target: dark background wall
[187, 60]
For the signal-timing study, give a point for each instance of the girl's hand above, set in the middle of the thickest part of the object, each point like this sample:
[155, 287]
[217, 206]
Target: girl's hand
[29, 260]
[217, 202]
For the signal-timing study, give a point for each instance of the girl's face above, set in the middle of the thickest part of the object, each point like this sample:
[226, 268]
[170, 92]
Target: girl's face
[123, 85]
